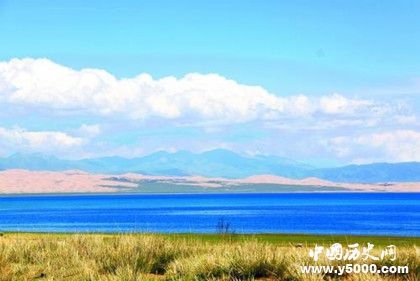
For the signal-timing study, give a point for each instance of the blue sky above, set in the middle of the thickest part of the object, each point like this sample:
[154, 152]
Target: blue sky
[355, 63]
[283, 45]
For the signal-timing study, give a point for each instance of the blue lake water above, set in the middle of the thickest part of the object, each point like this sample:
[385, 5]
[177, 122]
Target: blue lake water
[317, 213]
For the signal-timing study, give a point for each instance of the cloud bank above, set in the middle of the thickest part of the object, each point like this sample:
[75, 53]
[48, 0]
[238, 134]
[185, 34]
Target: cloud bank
[399, 145]
[95, 112]
[44, 141]
[209, 97]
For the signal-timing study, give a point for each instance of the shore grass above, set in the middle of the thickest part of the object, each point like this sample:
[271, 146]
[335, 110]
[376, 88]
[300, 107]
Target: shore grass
[46, 256]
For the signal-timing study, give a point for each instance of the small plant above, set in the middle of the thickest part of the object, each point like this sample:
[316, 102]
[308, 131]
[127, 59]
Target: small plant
[224, 227]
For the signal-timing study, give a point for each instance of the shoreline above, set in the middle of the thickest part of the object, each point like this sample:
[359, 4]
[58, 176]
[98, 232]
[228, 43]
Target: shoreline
[113, 193]
[289, 234]
[262, 237]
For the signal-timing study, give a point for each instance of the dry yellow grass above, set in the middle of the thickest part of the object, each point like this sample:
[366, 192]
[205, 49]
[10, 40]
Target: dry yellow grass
[153, 257]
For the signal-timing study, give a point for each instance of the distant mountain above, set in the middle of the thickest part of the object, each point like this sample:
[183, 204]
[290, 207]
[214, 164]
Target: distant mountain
[35, 162]
[214, 163]
[371, 173]
[217, 163]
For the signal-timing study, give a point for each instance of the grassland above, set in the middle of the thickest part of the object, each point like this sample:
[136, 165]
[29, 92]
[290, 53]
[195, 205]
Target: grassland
[31, 256]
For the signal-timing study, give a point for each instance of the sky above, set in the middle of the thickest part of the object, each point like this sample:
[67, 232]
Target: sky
[323, 82]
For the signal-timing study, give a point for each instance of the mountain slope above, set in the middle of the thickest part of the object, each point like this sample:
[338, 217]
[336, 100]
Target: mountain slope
[370, 173]
[217, 163]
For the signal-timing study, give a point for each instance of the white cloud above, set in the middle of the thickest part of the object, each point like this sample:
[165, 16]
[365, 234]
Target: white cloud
[102, 104]
[36, 141]
[337, 104]
[398, 145]
[89, 131]
[44, 84]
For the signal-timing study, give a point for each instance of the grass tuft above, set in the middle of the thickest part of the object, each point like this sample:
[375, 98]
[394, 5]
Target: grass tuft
[134, 257]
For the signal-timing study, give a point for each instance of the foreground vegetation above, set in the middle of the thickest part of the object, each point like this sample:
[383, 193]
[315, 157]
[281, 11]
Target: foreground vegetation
[30, 256]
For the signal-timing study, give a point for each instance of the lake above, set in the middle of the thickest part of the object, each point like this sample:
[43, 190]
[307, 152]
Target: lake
[312, 213]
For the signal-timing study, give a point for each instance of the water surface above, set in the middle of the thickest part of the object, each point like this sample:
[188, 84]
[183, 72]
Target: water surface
[312, 213]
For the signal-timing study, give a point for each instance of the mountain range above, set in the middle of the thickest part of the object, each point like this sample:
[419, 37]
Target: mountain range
[217, 163]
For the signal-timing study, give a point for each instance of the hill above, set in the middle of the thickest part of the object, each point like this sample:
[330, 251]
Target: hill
[217, 163]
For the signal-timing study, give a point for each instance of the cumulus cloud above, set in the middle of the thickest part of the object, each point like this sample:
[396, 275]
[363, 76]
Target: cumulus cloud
[37, 141]
[100, 113]
[210, 97]
[398, 145]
